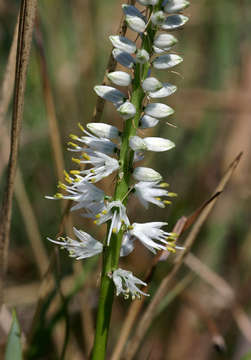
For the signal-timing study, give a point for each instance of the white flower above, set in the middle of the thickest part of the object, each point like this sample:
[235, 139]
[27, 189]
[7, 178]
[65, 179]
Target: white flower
[126, 283]
[173, 6]
[150, 143]
[151, 192]
[158, 110]
[127, 110]
[151, 84]
[151, 235]
[142, 173]
[103, 165]
[95, 143]
[164, 41]
[122, 43]
[158, 18]
[104, 130]
[116, 212]
[147, 122]
[174, 22]
[86, 246]
[120, 78]
[166, 61]
[127, 245]
[123, 58]
[110, 94]
[142, 56]
[131, 10]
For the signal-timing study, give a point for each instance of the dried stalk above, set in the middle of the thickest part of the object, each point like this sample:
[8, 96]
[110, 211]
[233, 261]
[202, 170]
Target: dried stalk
[26, 24]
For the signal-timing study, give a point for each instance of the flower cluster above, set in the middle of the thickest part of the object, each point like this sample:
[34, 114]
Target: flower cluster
[98, 150]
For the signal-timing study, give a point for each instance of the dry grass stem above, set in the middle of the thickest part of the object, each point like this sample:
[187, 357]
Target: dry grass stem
[26, 24]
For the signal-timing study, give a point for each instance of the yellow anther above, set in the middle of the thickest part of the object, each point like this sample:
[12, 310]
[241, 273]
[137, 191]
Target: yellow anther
[173, 235]
[172, 194]
[170, 249]
[164, 184]
[66, 174]
[77, 180]
[114, 230]
[58, 196]
[130, 227]
[68, 180]
[75, 172]
[73, 137]
[93, 180]
[167, 202]
[77, 161]
[72, 144]
[86, 156]
[92, 171]
[81, 127]
[133, 297]
[104, 212]
[95, 222]
[61, 185]
[98, 216]
[158, 198]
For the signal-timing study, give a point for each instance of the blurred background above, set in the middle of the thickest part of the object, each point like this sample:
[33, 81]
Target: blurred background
[210, 127]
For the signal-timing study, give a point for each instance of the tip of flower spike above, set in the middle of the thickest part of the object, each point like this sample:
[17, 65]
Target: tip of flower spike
[81, 127]
[77, 161]
[73, 137]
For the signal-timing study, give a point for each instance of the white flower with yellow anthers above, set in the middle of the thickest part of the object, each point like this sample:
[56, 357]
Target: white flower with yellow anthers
[101, 144]
[116, 212]
[151, 192]
[86, 246]
[152, 236]
[127, 284]
[103, 165]
[82, 192]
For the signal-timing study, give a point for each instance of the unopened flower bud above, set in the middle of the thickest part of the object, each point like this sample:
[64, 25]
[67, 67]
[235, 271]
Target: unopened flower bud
[120, 78]
[174, 22]
[142, 173]
[127, 110]
[166, 61]
[103, 130]
[158, 110]
[158, 18]
[151, 84]
[123, 58]
[147, 122]
[164, 41]
[142, 56]
[166, 90]
[173, 6]
[110, 94]
[122, 43]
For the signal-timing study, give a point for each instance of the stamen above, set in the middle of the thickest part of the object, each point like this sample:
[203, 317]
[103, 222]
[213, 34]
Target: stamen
[77, 161]
[72, 144]
[86, 156]
[172, 194]
[58, 196]
[73, 137]
[81, 127]
[75, 172]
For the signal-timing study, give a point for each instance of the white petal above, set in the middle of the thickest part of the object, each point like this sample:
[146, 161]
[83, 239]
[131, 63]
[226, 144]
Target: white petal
[142, 173]
[151, 84]
[127, 245]
[120, 78]
[166, 90]
[110, 94]
[127, 110]
[147, 122]
[158, 144]
[148, 2]
[142, 56]
[135, 23]
[175, 5]
[158, 110]
[103, 130]
[174, 22]
[164, 40]
[122, 43]
[158, 17]
[131, 10]
[123, 58]
[167, 61]
[137, 143]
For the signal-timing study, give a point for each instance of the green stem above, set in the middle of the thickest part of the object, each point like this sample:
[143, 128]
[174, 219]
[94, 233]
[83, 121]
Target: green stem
[112, 252]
